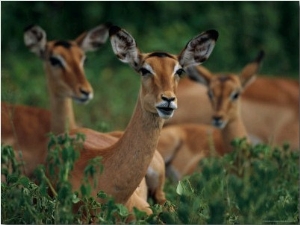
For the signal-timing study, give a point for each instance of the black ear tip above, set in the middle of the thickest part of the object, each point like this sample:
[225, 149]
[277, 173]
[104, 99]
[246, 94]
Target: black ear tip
[113, 30]
[28, 27]
[108, 24]
[213, 34]
[260, 56]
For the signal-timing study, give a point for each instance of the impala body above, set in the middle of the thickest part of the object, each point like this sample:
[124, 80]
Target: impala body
[127, 160]
[26, 128]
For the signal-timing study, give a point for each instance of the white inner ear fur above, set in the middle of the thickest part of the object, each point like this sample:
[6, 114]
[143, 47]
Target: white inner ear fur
[82, 61]
[98, 35]
[176, 67]
[148, 67]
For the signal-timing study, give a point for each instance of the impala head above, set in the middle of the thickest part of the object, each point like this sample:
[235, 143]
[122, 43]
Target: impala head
[161, 71]
[64, 60]
[224, 90]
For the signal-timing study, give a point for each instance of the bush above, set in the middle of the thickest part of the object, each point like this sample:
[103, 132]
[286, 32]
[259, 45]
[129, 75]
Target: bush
[45, 202]
[252, 184]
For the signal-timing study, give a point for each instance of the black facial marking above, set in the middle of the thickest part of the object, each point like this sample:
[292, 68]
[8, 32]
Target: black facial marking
[113, 30]
[28, 27]
[160, 54]
[224, 78]
[65, 44]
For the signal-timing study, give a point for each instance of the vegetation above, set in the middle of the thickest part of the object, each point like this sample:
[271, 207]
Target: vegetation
[253, 184]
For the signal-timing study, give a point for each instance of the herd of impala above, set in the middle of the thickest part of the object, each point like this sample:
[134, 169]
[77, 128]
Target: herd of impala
[170, 130]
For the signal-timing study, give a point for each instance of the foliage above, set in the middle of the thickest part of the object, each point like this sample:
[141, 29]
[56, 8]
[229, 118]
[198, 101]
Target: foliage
[251, 185]
[50, 199]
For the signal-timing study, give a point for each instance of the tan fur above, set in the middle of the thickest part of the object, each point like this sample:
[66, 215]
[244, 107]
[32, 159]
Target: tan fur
[183, 146]
[155, 176]
[126, 162]
[26, 128]
[269, 109]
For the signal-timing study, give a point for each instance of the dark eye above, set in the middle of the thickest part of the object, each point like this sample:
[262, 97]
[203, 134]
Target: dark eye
[235, 96]
[144, 71]
[180, 72]
[210, 94]
[55, 61]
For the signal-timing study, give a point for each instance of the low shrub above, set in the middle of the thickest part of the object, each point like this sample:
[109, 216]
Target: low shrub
[252, 184]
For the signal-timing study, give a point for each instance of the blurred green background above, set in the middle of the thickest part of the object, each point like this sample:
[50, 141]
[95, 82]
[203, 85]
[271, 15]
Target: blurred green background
[244, 28]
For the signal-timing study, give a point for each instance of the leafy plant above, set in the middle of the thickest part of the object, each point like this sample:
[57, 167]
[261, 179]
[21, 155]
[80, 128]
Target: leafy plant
[51, 200]
[252, 184]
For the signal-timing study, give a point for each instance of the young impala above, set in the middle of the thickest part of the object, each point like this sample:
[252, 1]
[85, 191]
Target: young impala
[126, 162]
[275, 102]
[182, 146]
[26, 128]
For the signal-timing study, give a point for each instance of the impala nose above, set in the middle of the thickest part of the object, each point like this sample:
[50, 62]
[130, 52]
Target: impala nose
[217, 121]
[168, 99]
[167, 106]
[85, 96]
[85, 93]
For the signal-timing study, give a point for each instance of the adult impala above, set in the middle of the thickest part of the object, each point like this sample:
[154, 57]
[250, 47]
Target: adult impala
[26, 128]
[126, 162]
[272, 102]
[183, 146]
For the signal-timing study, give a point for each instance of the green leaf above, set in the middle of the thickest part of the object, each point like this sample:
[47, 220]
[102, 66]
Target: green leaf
[102, 194]
[75, 199]
[179, 188]
[123, 211]
[24, 181]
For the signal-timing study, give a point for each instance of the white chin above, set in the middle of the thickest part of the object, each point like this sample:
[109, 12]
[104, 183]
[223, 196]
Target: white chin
[220, 125]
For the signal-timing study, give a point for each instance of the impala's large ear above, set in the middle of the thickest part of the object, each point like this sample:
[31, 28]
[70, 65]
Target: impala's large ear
[93, 39]
[124, 46]
[35, 39]
[249, 72]
[198, 49]
[199, 74]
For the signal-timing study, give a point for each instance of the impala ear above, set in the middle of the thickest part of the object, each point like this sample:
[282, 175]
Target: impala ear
[35, 39]
[249, 72]
[124, 46]
[198, 49]
[199, 74]
[93, 39]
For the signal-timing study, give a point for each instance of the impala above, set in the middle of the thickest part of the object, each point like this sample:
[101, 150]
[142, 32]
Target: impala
[26, 128]
[182, 146]
[126, 162]
[155, 176]
[273, 103]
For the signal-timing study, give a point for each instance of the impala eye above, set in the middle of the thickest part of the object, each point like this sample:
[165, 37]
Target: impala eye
[180, 72]
[210, 94]
[235, 96]
[55, 62]
[144, 71]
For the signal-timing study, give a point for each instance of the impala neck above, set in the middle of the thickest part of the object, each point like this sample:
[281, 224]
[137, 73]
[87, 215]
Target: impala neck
[134, 151]
[61, 108]
[234, 129]
[62, 115]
